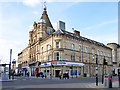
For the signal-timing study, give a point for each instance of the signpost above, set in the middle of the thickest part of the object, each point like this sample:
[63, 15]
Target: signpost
[10, 64]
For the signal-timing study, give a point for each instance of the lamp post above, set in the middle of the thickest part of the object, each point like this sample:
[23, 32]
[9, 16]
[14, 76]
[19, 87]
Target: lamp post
[10, 64]
[103, 72]
[96, 70]
[52, 66]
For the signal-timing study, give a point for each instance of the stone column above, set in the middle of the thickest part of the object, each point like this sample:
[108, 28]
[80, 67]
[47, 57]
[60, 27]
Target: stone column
[54, 71]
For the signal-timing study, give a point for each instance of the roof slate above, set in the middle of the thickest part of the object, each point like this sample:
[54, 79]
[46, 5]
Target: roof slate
[79, 37]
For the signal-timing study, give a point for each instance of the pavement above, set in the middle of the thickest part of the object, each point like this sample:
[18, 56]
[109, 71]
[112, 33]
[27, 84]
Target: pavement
[9, 80]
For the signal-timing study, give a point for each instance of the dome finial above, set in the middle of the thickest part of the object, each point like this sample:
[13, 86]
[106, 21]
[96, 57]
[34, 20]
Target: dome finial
[44, 6]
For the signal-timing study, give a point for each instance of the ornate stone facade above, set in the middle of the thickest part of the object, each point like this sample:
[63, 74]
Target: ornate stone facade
[66, 51]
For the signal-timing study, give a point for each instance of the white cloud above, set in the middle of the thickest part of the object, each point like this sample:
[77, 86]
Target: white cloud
[35, 12]
[100, 25]
[31, 3]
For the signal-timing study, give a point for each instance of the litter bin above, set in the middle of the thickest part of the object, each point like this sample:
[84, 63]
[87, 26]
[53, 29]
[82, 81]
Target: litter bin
[106, 81]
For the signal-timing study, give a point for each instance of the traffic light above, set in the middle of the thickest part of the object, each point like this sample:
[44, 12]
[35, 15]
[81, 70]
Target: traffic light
[105, 62]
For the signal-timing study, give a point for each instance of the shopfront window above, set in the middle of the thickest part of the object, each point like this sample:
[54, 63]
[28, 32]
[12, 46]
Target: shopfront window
[86, 69]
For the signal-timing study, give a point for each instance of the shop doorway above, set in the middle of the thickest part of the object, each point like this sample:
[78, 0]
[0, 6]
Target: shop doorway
[57, 72]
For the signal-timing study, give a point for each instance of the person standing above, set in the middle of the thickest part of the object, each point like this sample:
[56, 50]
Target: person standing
[28, 74]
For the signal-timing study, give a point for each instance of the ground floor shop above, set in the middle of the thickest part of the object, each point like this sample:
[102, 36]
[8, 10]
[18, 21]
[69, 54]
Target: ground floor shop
[74, 69]
[56, 69]
[90, 69]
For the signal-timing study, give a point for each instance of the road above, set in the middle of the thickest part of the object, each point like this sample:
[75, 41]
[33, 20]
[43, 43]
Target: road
[25, 82]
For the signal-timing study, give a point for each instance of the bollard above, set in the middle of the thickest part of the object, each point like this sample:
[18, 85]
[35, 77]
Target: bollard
[96, 80]
[110, 82]
[106, 81]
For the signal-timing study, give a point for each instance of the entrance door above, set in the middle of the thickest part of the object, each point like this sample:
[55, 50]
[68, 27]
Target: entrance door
[57, 72]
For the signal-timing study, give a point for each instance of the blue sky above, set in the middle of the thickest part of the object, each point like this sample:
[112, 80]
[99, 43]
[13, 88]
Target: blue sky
[95, 20]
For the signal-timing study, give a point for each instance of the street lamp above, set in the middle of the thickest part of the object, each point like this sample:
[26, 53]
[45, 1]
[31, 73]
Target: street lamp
[71, 70]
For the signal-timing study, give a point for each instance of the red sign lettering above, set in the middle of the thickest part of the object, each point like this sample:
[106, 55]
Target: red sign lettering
[53, 62]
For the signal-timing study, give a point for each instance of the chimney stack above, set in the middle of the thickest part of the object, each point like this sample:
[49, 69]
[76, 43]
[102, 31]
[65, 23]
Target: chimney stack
[76, 32]
[61, 25]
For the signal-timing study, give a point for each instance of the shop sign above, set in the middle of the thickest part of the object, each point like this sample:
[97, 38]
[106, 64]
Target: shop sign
[54, 63]
[62, 63]
[45, 64]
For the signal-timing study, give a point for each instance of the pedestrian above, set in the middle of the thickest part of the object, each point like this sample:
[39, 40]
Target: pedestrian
[28, 74]
[60, 76]
[67, 76]
[42, 75]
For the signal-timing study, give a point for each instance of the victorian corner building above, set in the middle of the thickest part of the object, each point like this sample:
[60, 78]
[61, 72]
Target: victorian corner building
[55, 52]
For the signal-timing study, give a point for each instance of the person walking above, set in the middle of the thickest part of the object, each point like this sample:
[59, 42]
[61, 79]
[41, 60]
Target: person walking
[60, 76]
